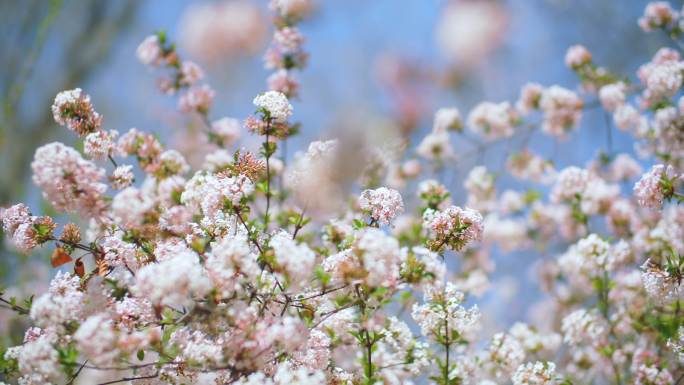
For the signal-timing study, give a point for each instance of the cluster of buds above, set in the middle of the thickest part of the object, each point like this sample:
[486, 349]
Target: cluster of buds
[74, 110]
[145, 147]
[286, 52]
[156, 51]
[579, 59]
[25, 230]
[661, 15]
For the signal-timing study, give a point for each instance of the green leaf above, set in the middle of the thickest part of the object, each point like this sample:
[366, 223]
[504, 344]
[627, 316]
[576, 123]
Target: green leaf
[322, 276]
[68, 357]
[358, 224]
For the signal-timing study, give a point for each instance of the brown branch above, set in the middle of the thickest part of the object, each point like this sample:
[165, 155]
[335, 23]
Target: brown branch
[130, 379]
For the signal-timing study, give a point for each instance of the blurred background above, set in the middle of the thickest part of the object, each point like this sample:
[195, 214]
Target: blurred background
[373, 64]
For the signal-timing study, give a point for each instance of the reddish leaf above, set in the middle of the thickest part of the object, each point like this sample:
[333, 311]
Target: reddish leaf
[59, 257]
[79, 268]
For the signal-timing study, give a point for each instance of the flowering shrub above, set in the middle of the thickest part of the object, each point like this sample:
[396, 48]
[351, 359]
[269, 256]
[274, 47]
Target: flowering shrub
[251, 271]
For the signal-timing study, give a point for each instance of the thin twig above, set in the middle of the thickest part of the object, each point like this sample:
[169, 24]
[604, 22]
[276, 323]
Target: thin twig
[130, 379]
[73, 378]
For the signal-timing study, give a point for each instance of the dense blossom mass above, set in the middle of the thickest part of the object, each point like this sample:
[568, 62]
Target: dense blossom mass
[258, 269]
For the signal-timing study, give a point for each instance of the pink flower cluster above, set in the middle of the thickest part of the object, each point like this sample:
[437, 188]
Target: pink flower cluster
[655, 186]
[382, 204]
[453, 227]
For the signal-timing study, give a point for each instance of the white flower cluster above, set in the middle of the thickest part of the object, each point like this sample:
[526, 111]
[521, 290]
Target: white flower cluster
[651, 190]
[442, 315]
[447, 119]
[275, 103]
[184, 278]
[226, 130]
[383, 204]
[97, 339]
[149, 52]
[493, 120]
[576, 56]
[62, 303]
[584, 327]
[231, 263]
[37, 359]
[453, 226]
[69, 182]
[297, 260]
[562, 110]
[380, 257]
[536, 373]
[571, 182]
[480, 187]
[130, 206]
[210, 192]
[100, 144]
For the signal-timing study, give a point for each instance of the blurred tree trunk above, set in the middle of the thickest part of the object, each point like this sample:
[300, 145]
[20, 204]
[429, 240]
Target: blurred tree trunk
[85, 43]
[79, 36]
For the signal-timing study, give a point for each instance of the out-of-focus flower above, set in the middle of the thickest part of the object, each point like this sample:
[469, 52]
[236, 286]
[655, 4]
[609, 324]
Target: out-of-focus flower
[657, 14]
[292, 9]
[225, 131]
[150, 51]
[197, 99]
[68, 181]
[493, 120]
[562, 110]
[536, 373]
[223, 30]
[468, 31]
[577, 56]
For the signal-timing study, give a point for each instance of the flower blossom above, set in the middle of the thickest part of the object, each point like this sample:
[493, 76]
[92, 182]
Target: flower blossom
[537, 373]
[583, 327]
[73, 109]
[383, 204]
[61, 304]
[657, 14]
[453, 227]
[655, 186]
[447, 119]
[150, 52]
[577, 56]
[225, 131]
[25, 230]
[197, 99]
[493, 120]
[183, 279]
[443, 315]
[562, 110]
[612, 96]
[570, 183]
[297, 260]
[100, 144]
[68, 181]
[530, 95]
[275, 103]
